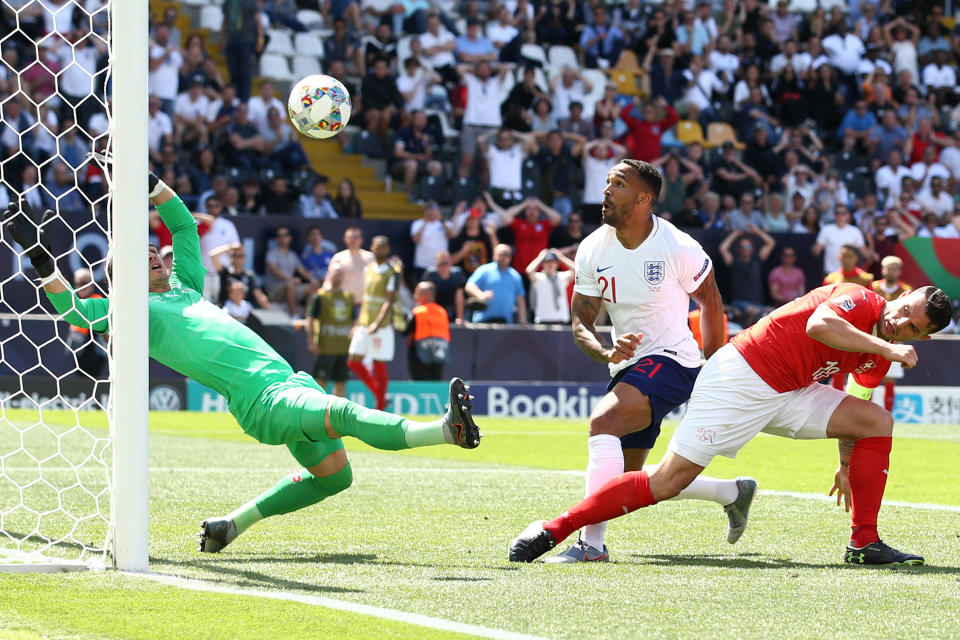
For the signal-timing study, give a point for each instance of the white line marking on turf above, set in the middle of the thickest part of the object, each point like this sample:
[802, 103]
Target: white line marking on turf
[929, 506]
[430, 622]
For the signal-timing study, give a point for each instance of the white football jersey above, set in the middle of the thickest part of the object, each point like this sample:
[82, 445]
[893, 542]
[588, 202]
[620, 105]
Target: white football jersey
[646, 290]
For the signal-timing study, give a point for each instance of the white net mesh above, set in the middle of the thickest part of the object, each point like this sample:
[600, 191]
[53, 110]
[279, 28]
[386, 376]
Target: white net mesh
[55, 481]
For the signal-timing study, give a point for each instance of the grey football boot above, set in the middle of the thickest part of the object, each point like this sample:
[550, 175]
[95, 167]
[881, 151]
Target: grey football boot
[580, 551]
[216, 533]
[738, 510]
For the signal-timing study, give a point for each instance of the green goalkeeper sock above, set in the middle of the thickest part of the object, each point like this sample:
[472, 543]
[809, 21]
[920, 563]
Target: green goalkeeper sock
[292, 493]
[384, 430]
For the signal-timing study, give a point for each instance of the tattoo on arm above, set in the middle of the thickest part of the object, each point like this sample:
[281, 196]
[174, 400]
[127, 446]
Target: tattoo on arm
[585, 310]
[711, 314]
[846, 450]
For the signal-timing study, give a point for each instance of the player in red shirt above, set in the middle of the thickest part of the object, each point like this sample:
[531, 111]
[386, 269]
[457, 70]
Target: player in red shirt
[766, 380]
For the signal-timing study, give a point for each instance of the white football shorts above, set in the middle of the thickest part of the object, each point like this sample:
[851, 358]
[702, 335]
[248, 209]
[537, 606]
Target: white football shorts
[379, 346]
[730, 404]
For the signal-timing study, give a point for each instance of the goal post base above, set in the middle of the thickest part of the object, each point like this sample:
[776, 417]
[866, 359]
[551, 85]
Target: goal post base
[12, 561]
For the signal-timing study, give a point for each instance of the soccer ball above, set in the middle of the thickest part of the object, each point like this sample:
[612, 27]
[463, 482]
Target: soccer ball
[319, 106]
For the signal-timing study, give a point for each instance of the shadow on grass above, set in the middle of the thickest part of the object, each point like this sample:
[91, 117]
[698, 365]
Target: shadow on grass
[343, 558]
[758, 561]
[241, 577]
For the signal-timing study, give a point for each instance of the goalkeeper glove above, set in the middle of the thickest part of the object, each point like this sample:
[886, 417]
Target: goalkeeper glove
[19, 224]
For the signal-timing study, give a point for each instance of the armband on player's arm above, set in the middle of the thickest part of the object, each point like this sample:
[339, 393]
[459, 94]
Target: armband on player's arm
[858, 390]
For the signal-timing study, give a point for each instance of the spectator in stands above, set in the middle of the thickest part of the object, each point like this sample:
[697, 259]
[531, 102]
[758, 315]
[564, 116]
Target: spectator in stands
[284, 12]
[80, 56]
[190, 115]
[950, 154]
[505, 162]
[249, 200]
[237, 304]
[412, 84]
[221, 232]
[542, 119]
[414, 153]
[473, 245]
[381, 99]
[258, 107]
[346, 203]
[731, 176]
[505, 36]
[601, 42]
[940, 77]
[886, 136]
[280, 199]
[746, 215]
[558, 169]
[61, 191]
[242, 34]
[786, 281]
[159, 127]
[599, 157]
[448, 281]
[498, 289]
[382, 45]
[344, 47]
[531, 231]
[165, 61]
[927, 168]
[859, 122]
[889, 177]
[235, 271]
[849, 271]
[643, 138]
[675, 181]
[554, 22]
[666, 80]
[745, 267]
[352, 261]
[575, 123]
[775, 216]
[243, 144]
[482, 115]
[761, 156]
[935, 200]
[222, 110]
[692, 37]
[566, 238]
[431, 235]
[516, 110]
[754, 113]
[568, 87]
[287, 280]
[833, 236]
[29, 186]
[438, 47]
[428, 328]
[473, 47]
[317, 203]
[698, 97]
[281, 145]
[317, 253]
[548, 288]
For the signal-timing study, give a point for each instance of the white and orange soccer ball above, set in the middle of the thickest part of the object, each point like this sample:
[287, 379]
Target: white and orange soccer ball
[319, 106]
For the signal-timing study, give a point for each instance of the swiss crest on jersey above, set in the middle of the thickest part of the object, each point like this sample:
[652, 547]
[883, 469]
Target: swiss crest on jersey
[654, 271]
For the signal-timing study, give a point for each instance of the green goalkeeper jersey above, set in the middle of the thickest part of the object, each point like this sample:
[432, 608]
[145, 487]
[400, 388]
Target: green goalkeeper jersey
[189, 334]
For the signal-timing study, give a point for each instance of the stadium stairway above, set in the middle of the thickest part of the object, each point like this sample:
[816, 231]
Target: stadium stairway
[326, 156]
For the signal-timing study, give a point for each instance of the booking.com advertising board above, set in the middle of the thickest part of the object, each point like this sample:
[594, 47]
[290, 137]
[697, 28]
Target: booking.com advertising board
[914, 405]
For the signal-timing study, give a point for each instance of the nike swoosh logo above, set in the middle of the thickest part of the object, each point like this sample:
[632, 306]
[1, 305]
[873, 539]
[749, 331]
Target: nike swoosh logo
[599, 270]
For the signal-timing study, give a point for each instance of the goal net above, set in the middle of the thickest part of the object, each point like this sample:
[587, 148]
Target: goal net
[58, 421]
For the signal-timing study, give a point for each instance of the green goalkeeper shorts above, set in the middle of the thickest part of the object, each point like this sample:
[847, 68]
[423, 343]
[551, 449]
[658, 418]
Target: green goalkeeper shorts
[289, 409]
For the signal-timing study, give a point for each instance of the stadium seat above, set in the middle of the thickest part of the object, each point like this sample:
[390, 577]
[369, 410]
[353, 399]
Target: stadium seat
[508, 81]
[627, 83]
[803, 6]
[275, 66]
[828, 5]
[308, 44]
[460, 24]
[195, 3]
[669, 140]
[464, 189]
[279, 42]
[598, 80]
[310, 18]
[211, 18]
[448, 131]
[530, 176]
[690, 131]
[435, 189]
[627, 62]
[403, 48]
[534, 52]
[306, 66]
[720, 132]
[560, 56]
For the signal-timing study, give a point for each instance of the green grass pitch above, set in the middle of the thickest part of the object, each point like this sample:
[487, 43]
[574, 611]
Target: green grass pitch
[427, 531]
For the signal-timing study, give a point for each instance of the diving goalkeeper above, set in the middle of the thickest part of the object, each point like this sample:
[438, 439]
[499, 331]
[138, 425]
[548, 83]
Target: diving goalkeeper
[272, 403]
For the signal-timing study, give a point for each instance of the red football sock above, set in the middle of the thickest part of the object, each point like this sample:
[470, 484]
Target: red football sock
[868, 478]
[383, 381]
[619, 496]
[363, 374]
[888, 395]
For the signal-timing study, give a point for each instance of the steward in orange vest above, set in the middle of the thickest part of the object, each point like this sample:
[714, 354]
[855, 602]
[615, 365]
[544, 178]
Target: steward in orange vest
[428, 330]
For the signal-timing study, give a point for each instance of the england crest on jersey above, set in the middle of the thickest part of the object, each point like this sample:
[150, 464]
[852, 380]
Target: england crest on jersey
[653, 271]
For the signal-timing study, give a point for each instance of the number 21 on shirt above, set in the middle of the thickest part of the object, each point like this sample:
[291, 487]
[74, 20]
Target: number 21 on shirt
[604, 283]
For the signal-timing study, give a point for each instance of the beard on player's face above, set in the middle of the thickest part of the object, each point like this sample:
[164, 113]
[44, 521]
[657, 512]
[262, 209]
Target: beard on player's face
[158, 274]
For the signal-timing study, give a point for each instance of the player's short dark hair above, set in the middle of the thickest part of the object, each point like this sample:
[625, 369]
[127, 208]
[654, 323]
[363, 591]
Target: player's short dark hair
[938, 309]
[383, 239]
[649, 176]
[851, 247]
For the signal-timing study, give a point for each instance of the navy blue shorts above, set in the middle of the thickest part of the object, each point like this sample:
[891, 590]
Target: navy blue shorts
[666, 382]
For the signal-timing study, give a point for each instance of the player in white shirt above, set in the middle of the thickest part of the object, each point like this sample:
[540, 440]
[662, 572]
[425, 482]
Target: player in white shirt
[643, 271]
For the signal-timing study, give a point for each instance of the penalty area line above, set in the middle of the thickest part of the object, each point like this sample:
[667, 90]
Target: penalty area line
[430, 622]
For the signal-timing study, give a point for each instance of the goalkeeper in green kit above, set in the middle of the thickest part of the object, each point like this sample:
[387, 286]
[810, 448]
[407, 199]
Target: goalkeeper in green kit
[272, 403]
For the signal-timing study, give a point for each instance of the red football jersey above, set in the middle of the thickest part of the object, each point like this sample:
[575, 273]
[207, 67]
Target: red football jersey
[780, 351]
[529, 240]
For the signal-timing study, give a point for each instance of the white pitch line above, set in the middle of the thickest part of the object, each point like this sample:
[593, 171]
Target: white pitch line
[430, 622]
[819, 497]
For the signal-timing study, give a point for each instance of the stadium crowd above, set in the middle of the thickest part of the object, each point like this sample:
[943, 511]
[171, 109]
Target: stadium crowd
[842, 124]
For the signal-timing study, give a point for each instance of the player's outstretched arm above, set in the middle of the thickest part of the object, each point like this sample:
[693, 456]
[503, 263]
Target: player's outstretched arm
[707, 296]
[829, 328]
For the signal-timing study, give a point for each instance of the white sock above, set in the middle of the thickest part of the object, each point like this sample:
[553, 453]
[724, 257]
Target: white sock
[723, 492]
[604, 462]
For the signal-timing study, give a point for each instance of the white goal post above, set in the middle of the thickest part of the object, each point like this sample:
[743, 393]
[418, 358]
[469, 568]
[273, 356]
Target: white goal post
[74, 487]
